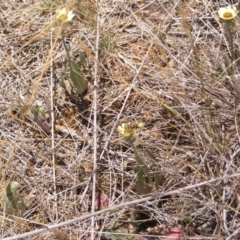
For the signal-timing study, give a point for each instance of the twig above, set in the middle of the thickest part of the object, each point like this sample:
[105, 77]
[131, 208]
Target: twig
[224, 215]
[52, 136]
[95, 125]
[1, 21]
[233, 234]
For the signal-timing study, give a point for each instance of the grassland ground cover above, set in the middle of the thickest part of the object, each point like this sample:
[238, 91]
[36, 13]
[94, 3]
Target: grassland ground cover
[172, 66]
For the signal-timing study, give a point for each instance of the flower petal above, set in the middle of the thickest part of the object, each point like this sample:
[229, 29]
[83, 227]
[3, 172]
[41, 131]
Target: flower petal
[64, 15]
[227, 13]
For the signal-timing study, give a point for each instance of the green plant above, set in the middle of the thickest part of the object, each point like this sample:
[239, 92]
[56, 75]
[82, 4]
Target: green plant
[115, 236]
[106, 44]
[14, 204]
[146, 178]
[228, 14]
[76, 78]
[38, 115]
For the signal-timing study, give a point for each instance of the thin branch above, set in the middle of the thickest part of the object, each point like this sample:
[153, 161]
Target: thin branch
[95, 126]
[52, 134]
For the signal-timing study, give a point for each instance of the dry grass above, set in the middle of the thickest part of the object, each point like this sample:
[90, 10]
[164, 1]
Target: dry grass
[160, 62]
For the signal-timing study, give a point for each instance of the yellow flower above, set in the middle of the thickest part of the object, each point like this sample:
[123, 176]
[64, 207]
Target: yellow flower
[227, 13]
[127, 129]
[140, 124]
[64, 15]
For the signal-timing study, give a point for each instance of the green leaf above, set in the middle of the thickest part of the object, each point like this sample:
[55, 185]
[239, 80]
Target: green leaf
[140, 160]
[141, 184]
[11, 192]
[84, 60]
[13, 202]
[139, 173]
[114, 236]
[143, 187]
[105, 43]
[143, 167]
[77, 79]
[159, 178]
[150, 154]
[63, 85]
